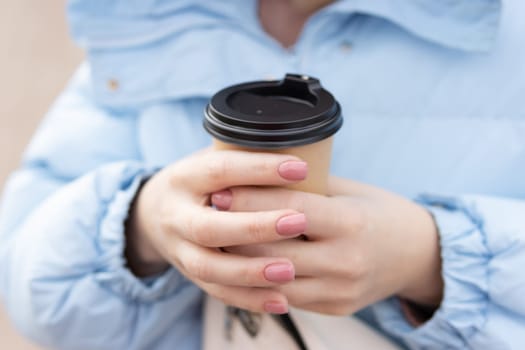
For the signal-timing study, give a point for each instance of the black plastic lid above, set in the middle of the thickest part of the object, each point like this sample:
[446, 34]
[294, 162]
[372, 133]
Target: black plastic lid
[291, 112]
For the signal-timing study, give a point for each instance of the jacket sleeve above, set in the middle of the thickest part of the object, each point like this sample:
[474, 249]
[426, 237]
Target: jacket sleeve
[63, 275]
[483, 253]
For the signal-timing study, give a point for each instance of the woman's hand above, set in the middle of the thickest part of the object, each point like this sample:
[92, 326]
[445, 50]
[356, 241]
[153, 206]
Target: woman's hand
[172, 222]
[363, 244]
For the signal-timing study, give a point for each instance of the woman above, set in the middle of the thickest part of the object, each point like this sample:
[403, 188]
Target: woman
[107, 228]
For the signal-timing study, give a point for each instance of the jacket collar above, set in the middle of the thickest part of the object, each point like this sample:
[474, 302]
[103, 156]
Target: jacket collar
[469, 25]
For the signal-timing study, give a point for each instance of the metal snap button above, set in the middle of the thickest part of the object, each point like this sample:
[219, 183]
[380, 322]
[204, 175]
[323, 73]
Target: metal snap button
[113, 84]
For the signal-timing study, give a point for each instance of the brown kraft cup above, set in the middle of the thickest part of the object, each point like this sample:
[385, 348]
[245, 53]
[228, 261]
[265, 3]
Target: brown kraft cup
[293, 116]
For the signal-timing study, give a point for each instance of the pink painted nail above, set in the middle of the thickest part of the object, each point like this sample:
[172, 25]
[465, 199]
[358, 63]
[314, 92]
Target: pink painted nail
[275, 307]
[293, 170]
[279, 272]
[291, 225]
[222, 199]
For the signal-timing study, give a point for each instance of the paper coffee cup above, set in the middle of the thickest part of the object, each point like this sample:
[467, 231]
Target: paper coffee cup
[292, 116]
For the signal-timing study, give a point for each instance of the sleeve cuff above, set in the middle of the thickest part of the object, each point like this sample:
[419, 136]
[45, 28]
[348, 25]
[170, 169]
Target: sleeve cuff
[465, 257]
[113, 273]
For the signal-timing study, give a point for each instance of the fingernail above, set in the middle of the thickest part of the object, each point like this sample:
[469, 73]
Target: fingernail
[279, 272]
[222, 199]
[275, 307]
[291, 225]
[293, 170]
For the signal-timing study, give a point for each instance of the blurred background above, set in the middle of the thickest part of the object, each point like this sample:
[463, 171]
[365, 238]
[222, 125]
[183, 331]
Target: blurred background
[36, 59]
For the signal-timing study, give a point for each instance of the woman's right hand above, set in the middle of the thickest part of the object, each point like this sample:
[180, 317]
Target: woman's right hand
[172, 223]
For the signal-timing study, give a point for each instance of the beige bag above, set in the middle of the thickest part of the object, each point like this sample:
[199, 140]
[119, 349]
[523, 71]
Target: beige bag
[319, 332]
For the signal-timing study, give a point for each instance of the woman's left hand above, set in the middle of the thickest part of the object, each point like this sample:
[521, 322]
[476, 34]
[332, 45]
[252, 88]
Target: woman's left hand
[362, 244]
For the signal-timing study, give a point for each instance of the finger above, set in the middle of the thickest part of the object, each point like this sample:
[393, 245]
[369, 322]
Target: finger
[327, 217]
[338, 308]
[212, 171]
[345, 187]
[213, 266]
[210, 228]
[306, 290]
[308, 258]
[340, 186]
[334, 295]
[332, 309]
[311, 290]
[319, 259]
[251, 299]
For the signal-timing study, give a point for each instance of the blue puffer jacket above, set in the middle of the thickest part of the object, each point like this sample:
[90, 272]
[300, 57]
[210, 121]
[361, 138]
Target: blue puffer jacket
[432, 94]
